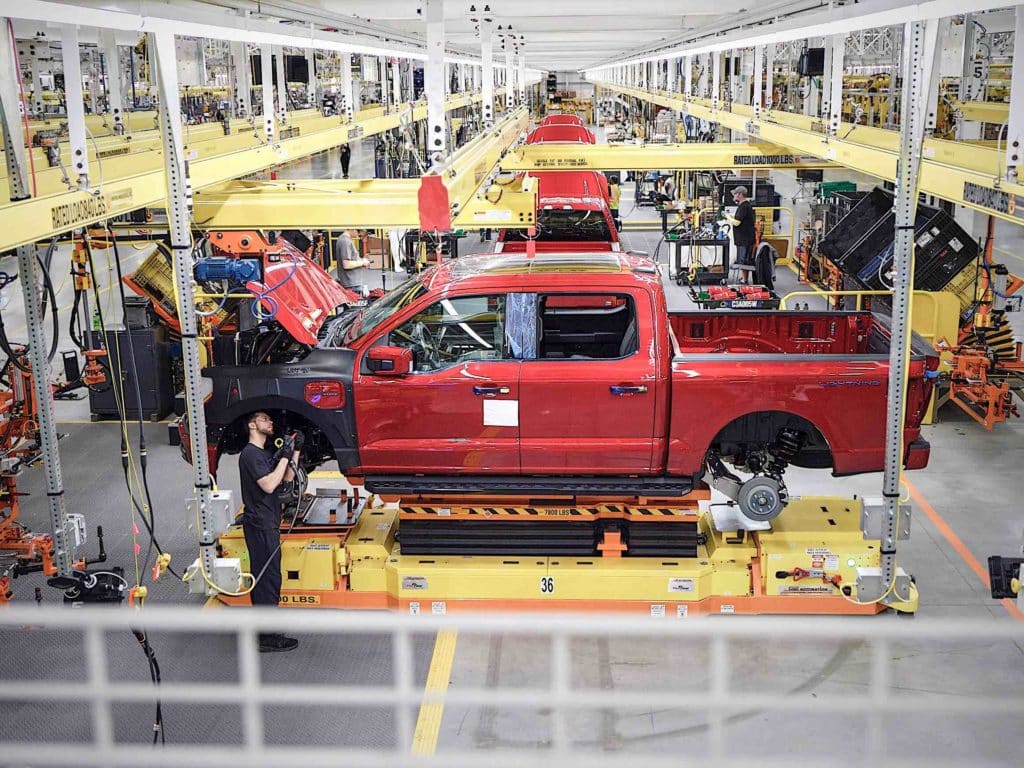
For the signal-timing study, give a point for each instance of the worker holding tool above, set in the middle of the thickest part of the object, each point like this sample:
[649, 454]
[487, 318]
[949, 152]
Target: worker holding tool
[261, 474]
[743, 235]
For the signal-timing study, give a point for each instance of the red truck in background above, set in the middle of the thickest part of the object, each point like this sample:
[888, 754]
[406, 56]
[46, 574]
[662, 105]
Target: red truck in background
[572, 215]
[560, 119]
[566, 372]
[561, 134]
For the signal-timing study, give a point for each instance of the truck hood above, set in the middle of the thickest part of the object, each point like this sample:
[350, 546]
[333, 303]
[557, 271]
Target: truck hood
[298, 293]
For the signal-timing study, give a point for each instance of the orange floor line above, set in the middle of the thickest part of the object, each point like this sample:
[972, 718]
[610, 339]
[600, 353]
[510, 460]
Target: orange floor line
[959, 546]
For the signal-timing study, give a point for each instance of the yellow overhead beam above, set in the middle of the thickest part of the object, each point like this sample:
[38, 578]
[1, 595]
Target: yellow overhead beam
[655, 157]
[966, 174]
[374, 203]
[40, 218]
[996, 112]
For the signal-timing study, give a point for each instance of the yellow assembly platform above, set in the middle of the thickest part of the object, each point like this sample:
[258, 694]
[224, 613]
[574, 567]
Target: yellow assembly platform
[807, 563]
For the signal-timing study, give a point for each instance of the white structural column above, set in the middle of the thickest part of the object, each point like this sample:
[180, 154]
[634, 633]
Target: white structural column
[769, 79]
[240, 73]
[703, 82]
[311, 85]
[282, 86]
[758, 102]
[521, 80]
[510, 95]
[673, 69]
[716, 78]
[1015, 126]
[487, 70]
[688, 76]
[266, 53]
[348, 108]
[75, 105]
[112, 65]
[17, 180]
[162, 46]
[38, 49]
[826, 79]
[433, 80]
[396, 81]
[835, 83]
[920, 47]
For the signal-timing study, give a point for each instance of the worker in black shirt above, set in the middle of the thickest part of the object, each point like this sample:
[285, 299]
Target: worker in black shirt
[261, 474]
[743, 234]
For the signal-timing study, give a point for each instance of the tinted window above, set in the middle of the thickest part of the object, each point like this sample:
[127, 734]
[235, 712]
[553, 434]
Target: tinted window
[586, 327]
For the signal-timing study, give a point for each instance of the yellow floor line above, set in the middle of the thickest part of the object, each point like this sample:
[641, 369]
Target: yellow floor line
[428, 724]
[325, 474]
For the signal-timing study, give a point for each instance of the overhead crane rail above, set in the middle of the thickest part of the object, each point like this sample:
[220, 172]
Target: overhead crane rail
[40, 218]
[963, 173]
[659, 157]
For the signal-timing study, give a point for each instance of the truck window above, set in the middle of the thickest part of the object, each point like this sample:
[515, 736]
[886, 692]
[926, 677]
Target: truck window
[583, 326]
[452, 331]
[396, 299]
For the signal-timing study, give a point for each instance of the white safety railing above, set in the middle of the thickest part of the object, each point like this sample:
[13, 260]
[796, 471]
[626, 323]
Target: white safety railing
[724, 653]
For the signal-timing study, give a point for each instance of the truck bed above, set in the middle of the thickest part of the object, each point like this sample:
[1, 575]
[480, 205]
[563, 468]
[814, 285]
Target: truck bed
[826, 373]
[780, 332]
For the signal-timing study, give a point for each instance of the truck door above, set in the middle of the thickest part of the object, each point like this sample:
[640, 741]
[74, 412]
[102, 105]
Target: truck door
[587, 394]
[456, 412]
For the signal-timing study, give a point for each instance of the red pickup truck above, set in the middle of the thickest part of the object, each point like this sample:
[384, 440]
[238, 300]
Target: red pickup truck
[572, 215]
[567, 373]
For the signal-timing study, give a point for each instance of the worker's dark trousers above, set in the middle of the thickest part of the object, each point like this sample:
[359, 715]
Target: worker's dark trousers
[263, 547]
[344, 165]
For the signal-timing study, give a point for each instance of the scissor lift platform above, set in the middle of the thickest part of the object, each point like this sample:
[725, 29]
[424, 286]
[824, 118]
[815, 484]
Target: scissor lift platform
[809, 561]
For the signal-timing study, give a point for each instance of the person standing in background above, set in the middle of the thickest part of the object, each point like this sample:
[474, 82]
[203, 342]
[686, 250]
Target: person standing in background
[351, 266]
[614, 196]
[346, 158]
[743, 234]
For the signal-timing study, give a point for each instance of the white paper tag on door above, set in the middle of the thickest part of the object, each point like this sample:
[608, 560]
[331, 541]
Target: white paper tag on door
[501, 413]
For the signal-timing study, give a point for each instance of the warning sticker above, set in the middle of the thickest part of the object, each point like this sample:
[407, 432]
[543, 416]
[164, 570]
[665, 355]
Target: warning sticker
[680, 585]
[727, 609]
[439, 608]
[682, 611]
[832, 563]
[657, 611]
[414, 609]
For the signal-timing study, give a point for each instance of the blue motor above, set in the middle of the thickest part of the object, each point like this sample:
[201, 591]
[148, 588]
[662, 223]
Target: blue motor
[219, 268]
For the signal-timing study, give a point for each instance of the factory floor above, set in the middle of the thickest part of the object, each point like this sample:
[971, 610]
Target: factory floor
[966, 507]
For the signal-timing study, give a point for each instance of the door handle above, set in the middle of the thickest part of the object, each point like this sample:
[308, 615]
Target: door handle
[617, 389]
[477, 390]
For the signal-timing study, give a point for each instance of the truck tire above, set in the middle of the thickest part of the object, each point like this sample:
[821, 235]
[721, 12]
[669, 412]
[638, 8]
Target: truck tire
[762, 498]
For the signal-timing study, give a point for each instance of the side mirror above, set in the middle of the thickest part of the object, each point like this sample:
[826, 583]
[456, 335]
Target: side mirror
[389, 361]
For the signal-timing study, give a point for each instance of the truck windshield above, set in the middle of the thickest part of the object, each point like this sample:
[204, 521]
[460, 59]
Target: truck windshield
[391, 302]
[567, 226]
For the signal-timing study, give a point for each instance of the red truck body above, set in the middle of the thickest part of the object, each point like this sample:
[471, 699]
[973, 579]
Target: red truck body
[561, 134]
[504, 372]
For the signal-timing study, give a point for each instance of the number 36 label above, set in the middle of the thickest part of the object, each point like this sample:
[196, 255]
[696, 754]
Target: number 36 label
[547, 585]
